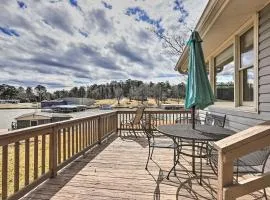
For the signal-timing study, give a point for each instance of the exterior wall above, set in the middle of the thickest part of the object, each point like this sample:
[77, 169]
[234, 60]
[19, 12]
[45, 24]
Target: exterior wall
[237, 119]
[58, 119]
[79, 101]
[264, 61]
[45, 121]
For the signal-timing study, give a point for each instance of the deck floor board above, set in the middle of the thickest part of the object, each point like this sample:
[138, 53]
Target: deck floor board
[115, 170]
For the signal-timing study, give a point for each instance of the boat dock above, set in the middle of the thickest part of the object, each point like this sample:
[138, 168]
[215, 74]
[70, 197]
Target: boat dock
[68, 108]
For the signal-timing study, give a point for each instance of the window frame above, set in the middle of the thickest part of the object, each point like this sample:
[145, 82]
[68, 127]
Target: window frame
[241, 69]
[234, 40]
[231, 45]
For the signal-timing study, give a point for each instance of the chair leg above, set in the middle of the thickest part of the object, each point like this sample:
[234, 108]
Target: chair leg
[152, 153]
[174, 160]
[149, 150]
[207, 149]
[133, 131]
[237, 171]
[265, 194]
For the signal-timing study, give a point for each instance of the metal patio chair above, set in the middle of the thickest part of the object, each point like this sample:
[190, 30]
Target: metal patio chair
[131, 124]
[215, 120]
[253, 163]
[152, 134]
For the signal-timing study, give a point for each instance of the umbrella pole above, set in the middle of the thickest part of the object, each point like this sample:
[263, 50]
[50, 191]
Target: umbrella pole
[193, 117]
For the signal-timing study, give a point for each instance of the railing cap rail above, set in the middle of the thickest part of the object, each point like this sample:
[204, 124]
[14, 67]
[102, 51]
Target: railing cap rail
[246, 141]
[50, 125]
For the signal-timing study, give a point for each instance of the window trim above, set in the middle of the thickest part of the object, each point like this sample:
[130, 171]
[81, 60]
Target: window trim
[234, 40]
[241, 69]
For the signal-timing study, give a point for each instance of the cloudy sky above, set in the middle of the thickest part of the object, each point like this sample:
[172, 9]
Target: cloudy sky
[66, 43]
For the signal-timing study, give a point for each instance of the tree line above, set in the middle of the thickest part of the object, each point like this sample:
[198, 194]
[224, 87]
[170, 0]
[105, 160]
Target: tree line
[132, 89]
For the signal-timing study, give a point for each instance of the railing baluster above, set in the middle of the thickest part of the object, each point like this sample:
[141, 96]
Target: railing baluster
[59, 146]
[16, 166]
[53, 152]
[85, 134]
[43, 155]
[4, 171]
[77, 138]
[89, 133]
[35, 157]
[68, 133]
[26, 158]
[64, 144]
[80, 136]
[72, 139]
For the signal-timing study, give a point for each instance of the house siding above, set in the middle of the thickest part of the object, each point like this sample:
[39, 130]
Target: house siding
[264, 61]
[237, 119]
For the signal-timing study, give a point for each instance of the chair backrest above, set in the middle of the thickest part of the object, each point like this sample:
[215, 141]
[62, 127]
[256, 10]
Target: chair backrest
[138, 115]
[147, 128]
[215, 120]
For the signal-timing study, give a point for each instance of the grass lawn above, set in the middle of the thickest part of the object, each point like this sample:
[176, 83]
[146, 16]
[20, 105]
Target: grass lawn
[18, 105]
[22, 163]
[125, 102]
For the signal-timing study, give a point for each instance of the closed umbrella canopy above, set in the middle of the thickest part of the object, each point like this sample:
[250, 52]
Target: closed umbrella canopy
[198, 93]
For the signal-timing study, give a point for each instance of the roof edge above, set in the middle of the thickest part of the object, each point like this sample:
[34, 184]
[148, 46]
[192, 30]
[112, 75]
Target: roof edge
[207, 15]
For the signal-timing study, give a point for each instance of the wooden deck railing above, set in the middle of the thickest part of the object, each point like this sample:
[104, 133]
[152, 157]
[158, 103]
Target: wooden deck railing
[30, 156]
[158, 117]
[233, 147]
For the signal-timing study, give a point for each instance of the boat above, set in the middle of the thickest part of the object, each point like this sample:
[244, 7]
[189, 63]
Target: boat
[105, 107]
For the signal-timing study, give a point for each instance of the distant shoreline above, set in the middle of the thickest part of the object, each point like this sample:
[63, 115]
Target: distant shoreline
[124, 103]
[19, 106]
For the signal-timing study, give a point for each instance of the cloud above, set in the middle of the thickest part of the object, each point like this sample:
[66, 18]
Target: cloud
[73, 2]
[22, 4]
[106, 5]
[98, 20]
[179, 6]
[83, 33]
[142, 15]
[58, 19]
[133, 54]
[64, 43]
[9, 31]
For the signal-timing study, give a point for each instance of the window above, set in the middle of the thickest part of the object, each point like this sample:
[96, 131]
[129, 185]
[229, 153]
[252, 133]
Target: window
[224, 75]
[33, 123]
[247, 68]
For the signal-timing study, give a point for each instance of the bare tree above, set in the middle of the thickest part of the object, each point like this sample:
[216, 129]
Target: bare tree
[142, 92]
[173, 44]
[118, 91]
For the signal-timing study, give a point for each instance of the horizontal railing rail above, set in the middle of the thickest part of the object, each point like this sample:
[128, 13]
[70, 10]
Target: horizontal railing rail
[233, 147]
[31, 155]
[158, 117]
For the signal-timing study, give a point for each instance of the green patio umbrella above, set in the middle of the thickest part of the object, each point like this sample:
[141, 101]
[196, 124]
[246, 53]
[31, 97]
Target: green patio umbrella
[198, 93]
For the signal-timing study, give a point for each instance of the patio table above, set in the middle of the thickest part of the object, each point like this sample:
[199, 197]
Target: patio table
[202, 134]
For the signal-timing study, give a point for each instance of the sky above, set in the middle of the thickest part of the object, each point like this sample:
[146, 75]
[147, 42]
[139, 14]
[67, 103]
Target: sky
[65, 43]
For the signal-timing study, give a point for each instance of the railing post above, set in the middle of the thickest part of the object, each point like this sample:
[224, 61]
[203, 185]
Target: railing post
[99, 129]
[116, 121]
[53, 152]
[225, 176]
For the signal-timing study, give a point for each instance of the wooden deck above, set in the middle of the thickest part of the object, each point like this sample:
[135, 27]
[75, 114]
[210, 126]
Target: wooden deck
[116, 170]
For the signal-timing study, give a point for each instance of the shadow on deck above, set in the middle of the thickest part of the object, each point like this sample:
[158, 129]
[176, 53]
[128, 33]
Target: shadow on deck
[116, 170]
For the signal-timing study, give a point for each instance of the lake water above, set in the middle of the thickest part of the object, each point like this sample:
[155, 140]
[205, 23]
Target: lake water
[7, 115]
